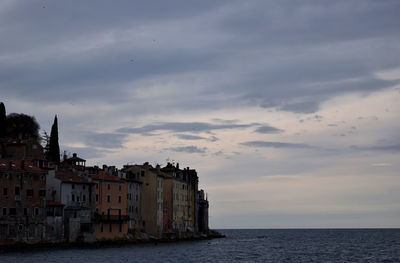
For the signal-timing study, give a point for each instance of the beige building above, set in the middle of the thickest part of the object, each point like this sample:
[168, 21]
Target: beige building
[151, 193]
[183, 198]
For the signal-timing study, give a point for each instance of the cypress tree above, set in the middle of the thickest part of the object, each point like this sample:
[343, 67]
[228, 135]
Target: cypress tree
[3, 120]
[54, 148]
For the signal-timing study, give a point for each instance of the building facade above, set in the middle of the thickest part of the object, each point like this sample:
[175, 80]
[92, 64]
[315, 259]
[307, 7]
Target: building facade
[22, 202]
[111, 203]
[75, 191]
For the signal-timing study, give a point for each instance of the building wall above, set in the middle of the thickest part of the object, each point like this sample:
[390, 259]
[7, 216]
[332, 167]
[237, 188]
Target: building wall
[133, 204]
[167, 205]
[22, 202]
[111, 203]
[160, 203]
[181, 205]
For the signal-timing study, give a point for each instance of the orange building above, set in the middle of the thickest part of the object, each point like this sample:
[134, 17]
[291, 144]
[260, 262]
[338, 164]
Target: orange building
[110, 197]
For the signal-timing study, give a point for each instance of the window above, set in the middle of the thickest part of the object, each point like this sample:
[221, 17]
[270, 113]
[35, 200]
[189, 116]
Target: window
[110, 228]
[137, 197]
[119, 188]
[13, 211]
[97, 186]
[108, 198]
[36, 211]
[101, 227]
[119, 199]
[5, 191]
[73, 198]
[73, 186]
[42, 193]
[97, 198]
[29, 192]
[25, 211]
[84, 198]
[83, 187]
[108, 186]
[120, 227]
[17, 190]
[4, 211]
[42, 178]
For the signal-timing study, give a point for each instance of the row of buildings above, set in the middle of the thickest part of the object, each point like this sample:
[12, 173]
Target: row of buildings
[71, 202]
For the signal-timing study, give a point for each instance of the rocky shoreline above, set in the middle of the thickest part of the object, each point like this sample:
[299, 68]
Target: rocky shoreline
[144, 239]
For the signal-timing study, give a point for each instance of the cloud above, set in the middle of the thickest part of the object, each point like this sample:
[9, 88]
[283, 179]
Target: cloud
[182, 127]
[187, 149]
[261, 144]
[190, 137]
[86, 152]
[268, 129]
[105, 140]
[384, 148]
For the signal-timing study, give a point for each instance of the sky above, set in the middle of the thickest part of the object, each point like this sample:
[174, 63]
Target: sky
[288, 110]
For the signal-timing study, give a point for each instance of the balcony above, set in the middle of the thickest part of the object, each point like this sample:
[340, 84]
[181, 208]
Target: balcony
[110, 218]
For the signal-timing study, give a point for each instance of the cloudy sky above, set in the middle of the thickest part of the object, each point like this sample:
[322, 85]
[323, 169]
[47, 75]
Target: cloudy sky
[289, 110]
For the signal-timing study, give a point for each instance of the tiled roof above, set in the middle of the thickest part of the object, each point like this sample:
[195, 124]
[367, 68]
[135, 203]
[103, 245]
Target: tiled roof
[70, 177]
[17, 165]
[102, 176]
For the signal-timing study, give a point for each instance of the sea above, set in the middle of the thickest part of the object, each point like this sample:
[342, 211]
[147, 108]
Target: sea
[240, 245]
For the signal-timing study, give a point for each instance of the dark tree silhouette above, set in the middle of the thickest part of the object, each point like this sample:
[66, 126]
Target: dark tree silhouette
[3, 121]
[22, 126]
[54, 148]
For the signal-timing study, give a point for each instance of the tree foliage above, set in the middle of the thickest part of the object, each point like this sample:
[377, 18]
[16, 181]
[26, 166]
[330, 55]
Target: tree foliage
[22, 126]
[54, 148]
[3, 120]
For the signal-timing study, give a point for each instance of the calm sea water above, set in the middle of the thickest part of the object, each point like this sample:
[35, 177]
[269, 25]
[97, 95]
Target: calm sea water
[294, 245]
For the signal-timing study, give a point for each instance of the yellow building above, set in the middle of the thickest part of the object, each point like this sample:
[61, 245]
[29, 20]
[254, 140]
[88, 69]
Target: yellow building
[110, 197]
[183, 188]
[151, 193]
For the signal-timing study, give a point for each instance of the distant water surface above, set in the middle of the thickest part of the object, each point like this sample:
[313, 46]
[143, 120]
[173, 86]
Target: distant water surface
[242, 245]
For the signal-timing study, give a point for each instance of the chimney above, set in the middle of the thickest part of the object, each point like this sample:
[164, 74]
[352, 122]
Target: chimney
[177, 166]
[74, 155]
[158, 168]
[65, 156]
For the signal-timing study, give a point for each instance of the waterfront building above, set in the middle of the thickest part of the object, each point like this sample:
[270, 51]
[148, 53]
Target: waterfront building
[22, 202]
[151, 197]
[133, 208]
[111, 203]
[75, 191]
[203, 212]
[183, 193]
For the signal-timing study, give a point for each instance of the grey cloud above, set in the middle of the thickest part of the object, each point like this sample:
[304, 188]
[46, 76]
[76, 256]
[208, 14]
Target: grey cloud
[394, 148]
[105, 140]
[301, 107]
[190, 137]
[268, 129]
[187, 149]
[261, 144]
[183, 127]
[291, 64]
[86, 152]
